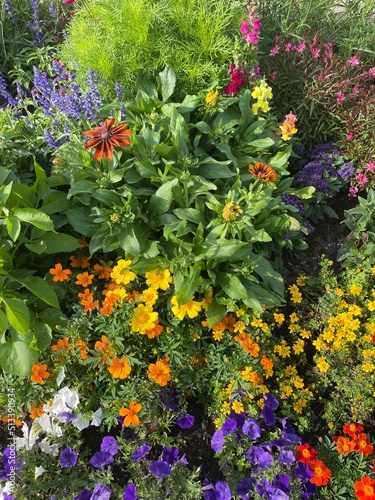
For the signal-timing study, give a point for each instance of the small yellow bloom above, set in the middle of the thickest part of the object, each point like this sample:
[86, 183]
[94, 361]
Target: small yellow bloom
[211, 97]
[301, 280]
[191, 308]
[218, 335]
[121, 274]
[355, 289]
[305, 334]
[296, 295]
[371, 305]
[339, 292]
[322, 364]
[298, 346]
[237, 406]
[231, 211]
[293, 318]
[279, 318]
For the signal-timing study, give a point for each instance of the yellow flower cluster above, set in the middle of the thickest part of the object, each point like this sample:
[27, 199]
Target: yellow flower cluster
[262, 93]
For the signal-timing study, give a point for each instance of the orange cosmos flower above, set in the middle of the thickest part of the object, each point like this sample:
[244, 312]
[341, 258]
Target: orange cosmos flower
[82, 347]
[320, 471]
[130, 414]
[104, 272]
[362, 444]
[39, 372]
[155, 331]
[119, 368]
[36, 411]
[105, 138]
[60, 274]
[262, 171]
[82, 262]
[306, 453]
[12, 420]
[61, 344]
[344, 445]
[365, 488]
[160, 372]
[84, 279]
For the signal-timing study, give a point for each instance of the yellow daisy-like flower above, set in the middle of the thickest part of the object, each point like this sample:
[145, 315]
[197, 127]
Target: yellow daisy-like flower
[339, 292]
[191, 308]
[231, 211]
[368, 367]
[322, 364]
[355, 289]
[121, 274]
[371, 305]
[298, 346]
[149, 296]
[144, 319]
[293, 318]
[237, 406]
[159, 279]
[279, 318]
[218, 335]
[295, 294]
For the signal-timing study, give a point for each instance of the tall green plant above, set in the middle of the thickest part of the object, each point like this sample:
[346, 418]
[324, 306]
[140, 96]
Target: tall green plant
[125, 39]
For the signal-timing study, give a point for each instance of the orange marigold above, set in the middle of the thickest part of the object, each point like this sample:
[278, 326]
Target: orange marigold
[84, 279]
[130, 414]
[352, 429]
[306, 453]
[36, 411]
[365, 488]
[61, 344]
[344, 445]
[362, 444]
[39, 373]
[321, 473]
[120, 368]
[160, 372]
[81, 262]
[60, 274]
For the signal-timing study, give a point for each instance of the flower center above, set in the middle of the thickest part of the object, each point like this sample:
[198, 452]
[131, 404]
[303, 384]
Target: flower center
[105, 136]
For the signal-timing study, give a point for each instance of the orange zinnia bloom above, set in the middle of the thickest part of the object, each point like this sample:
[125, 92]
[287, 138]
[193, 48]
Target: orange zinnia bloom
[84, 279]
[320, 471]
[60, 274]
[160, 372]
[345, 445]
[154, 332]
[105, 138]
[262, 171]
[365, 488]
[104, 271]
[119, 368]
[81, 262]
[362, 444]
[39, 372]
[61, 344]
[130, 414]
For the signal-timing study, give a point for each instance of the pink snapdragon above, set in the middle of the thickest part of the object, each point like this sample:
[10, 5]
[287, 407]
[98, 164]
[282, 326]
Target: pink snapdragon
[237, 80]
[251, 30]
[353, 191]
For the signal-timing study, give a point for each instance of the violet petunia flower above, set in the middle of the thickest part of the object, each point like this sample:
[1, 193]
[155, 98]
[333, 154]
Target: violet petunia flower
[252, 429]
[185, 421]
[140, 453]
[256, 455]
[222, 491]
[84, 495]
[170, 455]
[244, 487]
[160, 468]
[302, 471]
[217, 441]
[130, 492]
[101, 492]
[286, 457]
[100, 459]
[229, 426]
[109, 445]
[68, 458]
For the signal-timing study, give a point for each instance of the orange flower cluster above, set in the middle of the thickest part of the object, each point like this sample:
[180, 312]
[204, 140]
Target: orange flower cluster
[365, 488]
[308, 455]
[39, 373]
[130, 414]
[248, 344]
[357, 441]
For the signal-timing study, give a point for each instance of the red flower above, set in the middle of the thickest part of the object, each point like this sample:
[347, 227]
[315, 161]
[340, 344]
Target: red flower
[362, 444]
[105, 138]
[305, 453]
[365, 488]
[352, 429]
[320, 471]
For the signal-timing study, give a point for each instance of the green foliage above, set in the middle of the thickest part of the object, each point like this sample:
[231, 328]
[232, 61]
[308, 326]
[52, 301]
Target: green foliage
[128, 40]
[164, 200]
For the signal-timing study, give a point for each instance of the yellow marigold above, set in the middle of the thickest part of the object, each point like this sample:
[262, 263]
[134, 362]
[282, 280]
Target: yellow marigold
[319, 344]
[339, 292]
[225, 408]
[159, 279]
[279, 318]
[231, 211]
[293, 318]
[329, 334]
[368, 367]
[121, 274]
[247, 373]
[191, 308]
[218, 335]
[290, 370]
[239, 326]
[237, 407]
[294, 327]
[370, 327]
[322, 364]
[298, 346]
[301, 280]
[149, 296]
[287, 390]
[282, 349]
[300, 405]
[144, 319]
[295, 294]
[355, 289]
[355, 310]
[371, 305]
[298, 383]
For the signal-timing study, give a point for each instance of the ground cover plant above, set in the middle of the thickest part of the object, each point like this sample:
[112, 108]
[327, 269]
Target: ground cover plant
[150, 346]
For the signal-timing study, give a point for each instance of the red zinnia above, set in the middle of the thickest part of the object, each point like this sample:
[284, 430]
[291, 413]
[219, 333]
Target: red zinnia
[365, 488]
[105, 138]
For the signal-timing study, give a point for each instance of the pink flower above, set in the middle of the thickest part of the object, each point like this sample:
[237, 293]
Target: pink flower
[288, 47]
[353, 61]
[244, 27]
[69, 1]
[371, 166]
[355, 90]
[315, 53]
[371, 72]
[340, 97]
[353, 190]
[301, 47]
[328, 53]
[273, 75]
[349, 136]
[274, 51]
[361, 179]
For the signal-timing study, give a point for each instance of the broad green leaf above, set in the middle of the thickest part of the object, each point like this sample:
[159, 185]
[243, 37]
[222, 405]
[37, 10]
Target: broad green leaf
[189, 103]
[128, 241]
[108, 197]
[13, 227]
[222, 250]
[5, 262]
[215, 313]
[53, 243]
[168, 82]
[3, 322]
[190, 214]
[80, 220]
[204, 128]
[54, 202]
[215, 170]
[271, 277]
[264, 143]
[41, 289]
[82, 187]
[5, 191]
[35, 218]
[17, 313]
[22, 196]
[280, 160]
[163, 197]
[4, 172]
[17, 357]
[185, 286]
[41, 184]
[53, 318]
[232, 286]
[43, 334]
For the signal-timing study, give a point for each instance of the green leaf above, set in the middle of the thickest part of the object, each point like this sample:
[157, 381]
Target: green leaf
[43, 334]
[280, 160]
[189, 103]
[41, 184]
[185, 286]
[215, 313]
[4, 172]
[53, 243]
[264, 143]
[13, 227]
[168, 82]
[3, 322]
[54, 202]
[190, 214]
[18, 314]
[80, 220]
[82, 187]
[35, 218]
[232, 286]
[40, 288]
[17, 357]
[161, 200]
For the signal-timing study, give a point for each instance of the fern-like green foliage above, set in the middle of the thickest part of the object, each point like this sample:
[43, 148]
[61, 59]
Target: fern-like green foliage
[128, 39]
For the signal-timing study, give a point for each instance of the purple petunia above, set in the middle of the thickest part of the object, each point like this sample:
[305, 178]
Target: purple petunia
[170, 455]
[222, 491]
[302, 471]
[68, 458]
[84, 495]
[185, 421]
[109, 445]
[160, 468]
[264, 488]
[286, 457]
[140, 453]
[245, 486]
[101, 492]
[130, 492]
[100, 459]
[217, 441]
[256, 455]
[229, 426]
[281, 481]
[252, 429]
